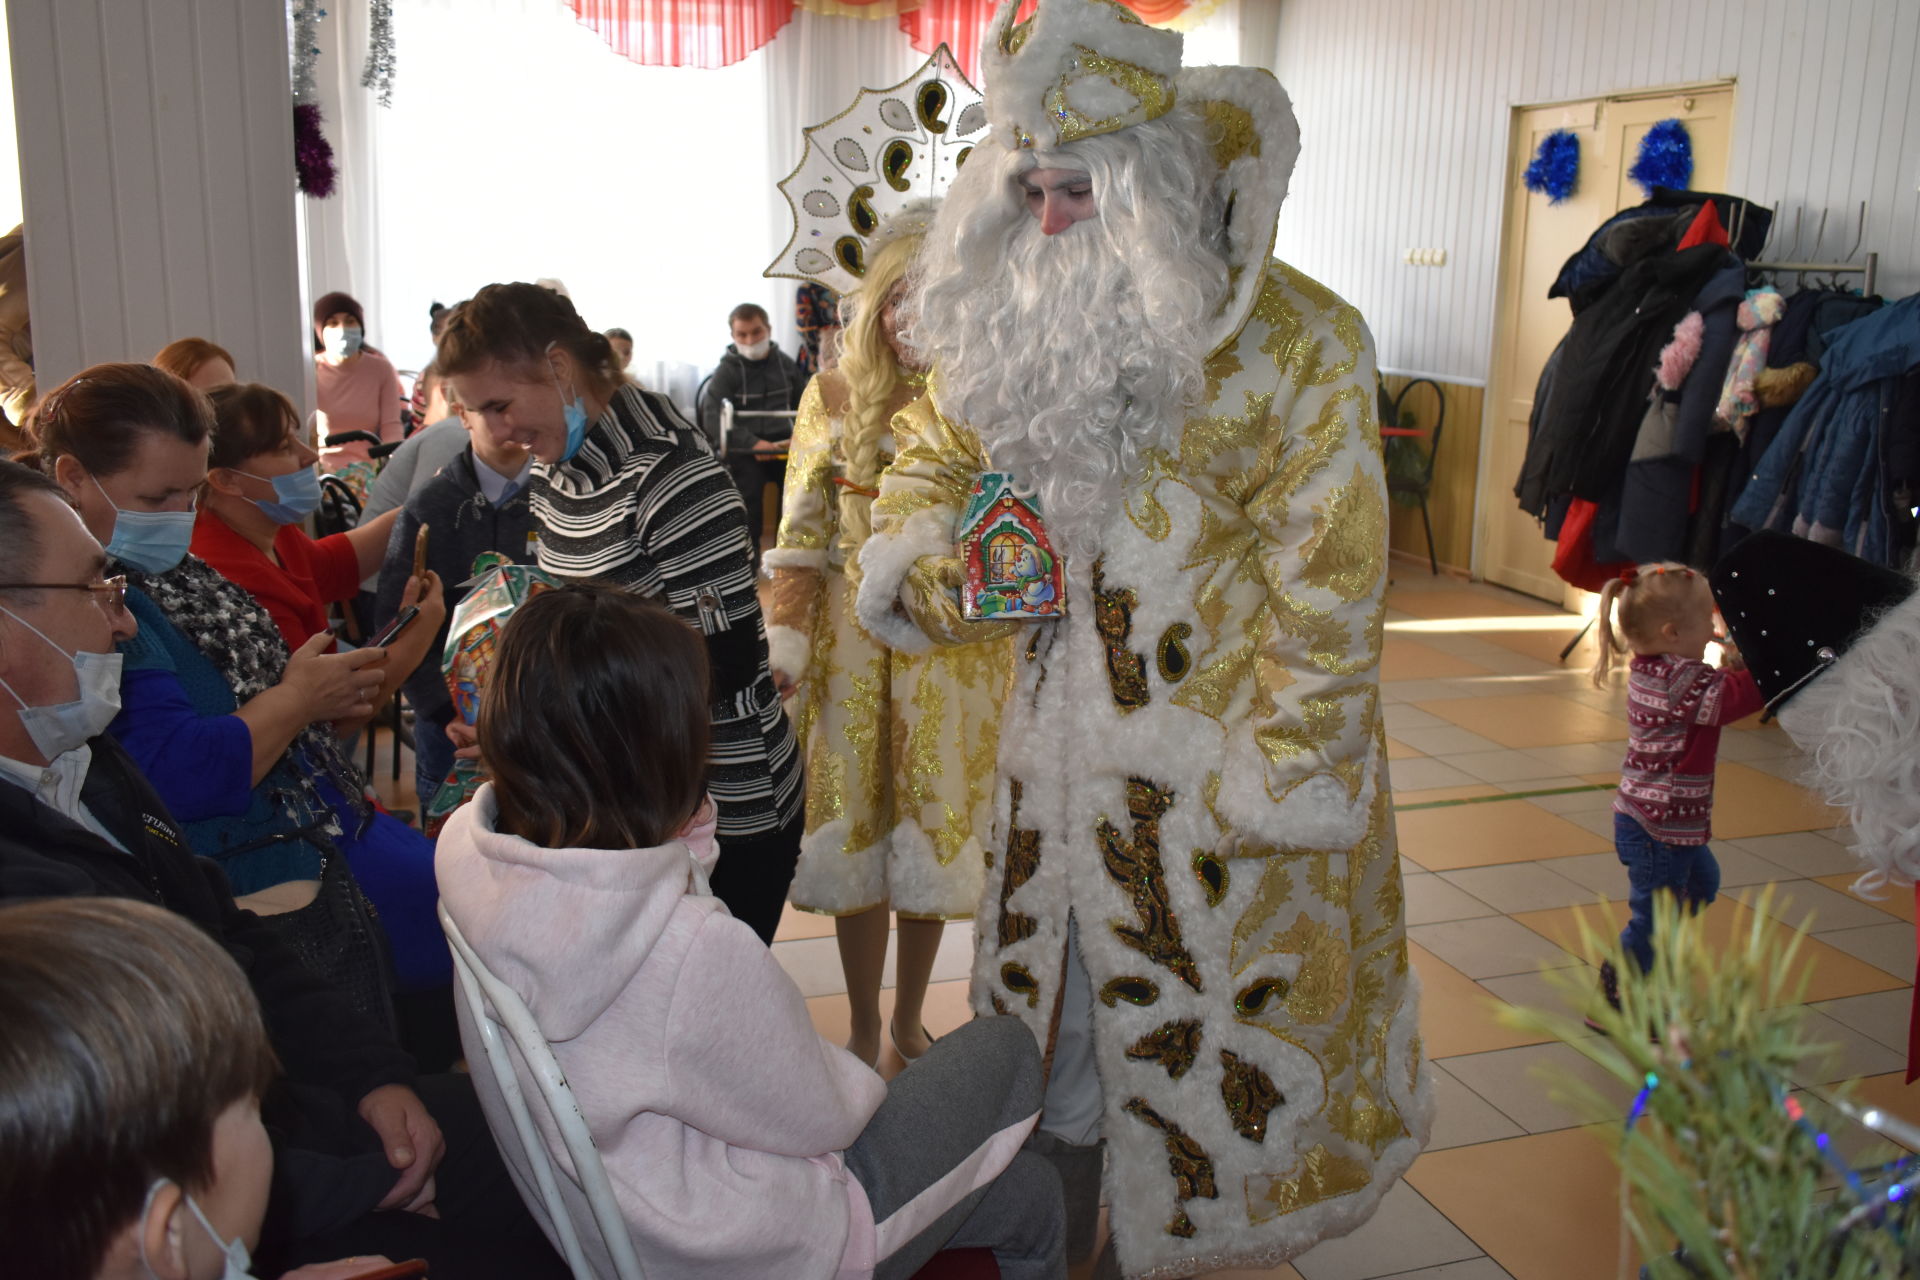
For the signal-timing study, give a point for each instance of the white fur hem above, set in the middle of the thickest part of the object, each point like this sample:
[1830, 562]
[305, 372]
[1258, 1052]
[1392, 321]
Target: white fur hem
[834, 880]
[885, 561]
[789, 650]
[794, 558]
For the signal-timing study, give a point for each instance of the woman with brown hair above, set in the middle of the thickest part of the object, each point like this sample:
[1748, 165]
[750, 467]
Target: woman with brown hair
[624, 492]
[738, 1141]
[197, 362]
[900, 746]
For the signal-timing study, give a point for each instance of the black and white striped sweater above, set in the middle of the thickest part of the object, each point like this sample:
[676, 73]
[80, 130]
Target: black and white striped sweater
[645, 506]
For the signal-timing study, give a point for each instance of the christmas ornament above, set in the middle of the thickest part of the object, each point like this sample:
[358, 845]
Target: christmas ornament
[378, 74]
[1556, 166]
[312, 153]
[1666, 158]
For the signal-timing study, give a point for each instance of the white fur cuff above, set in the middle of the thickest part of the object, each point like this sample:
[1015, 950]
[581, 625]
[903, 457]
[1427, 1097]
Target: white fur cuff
[885, 561]
[789, 650]
[794, 558]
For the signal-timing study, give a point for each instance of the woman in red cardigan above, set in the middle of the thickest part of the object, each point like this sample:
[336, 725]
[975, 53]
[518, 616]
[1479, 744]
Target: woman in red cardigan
[261, 485]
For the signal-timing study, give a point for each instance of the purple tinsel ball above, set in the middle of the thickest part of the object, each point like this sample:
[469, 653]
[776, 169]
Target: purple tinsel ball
[1556, 166]
[312, 153]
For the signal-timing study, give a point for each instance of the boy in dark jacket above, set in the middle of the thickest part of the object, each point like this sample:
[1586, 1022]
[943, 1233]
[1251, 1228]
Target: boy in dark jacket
[478, 502]
[756, 376]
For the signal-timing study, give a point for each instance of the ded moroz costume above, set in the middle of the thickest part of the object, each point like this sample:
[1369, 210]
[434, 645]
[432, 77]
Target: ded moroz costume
[1194, 860]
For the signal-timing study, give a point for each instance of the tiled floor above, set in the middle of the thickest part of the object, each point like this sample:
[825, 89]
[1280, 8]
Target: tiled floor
[1502, 761]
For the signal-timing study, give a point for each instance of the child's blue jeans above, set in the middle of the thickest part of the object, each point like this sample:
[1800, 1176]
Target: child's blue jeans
[1686, 869]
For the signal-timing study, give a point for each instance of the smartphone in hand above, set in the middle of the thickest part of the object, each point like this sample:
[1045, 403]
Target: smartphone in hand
[399, 624]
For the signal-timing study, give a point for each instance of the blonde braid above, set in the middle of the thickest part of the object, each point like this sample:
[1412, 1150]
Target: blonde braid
[874, 381]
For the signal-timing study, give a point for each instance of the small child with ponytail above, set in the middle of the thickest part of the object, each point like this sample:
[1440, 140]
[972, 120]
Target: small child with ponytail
[1676, 706]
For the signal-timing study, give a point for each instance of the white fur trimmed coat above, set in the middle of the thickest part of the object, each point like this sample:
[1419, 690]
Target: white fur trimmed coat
[1192, 766]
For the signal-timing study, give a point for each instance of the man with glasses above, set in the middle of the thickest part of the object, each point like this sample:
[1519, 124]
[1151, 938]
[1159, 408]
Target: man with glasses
[78, 819]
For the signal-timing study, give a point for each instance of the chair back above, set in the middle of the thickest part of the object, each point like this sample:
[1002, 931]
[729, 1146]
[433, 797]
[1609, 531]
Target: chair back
[1390, 417]
[497, 1016]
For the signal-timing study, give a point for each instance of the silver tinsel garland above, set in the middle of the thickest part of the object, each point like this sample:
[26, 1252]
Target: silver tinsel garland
[305, 26]
[378, 75]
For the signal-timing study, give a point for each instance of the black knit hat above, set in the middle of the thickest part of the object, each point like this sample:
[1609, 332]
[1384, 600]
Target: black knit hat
[329, 304]
[1794, 607]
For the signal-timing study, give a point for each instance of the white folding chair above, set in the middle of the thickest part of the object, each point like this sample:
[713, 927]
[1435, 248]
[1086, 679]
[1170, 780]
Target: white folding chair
[497, 1009]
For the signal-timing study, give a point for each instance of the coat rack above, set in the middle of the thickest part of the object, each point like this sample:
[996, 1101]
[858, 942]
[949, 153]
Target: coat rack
[1868, 268]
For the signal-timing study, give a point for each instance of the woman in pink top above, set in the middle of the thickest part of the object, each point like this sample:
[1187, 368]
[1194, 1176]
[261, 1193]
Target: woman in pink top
[1676, 705]
[356, 387]
[738, 1141]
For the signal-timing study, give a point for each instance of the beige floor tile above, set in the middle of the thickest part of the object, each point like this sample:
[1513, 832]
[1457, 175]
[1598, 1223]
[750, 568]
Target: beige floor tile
[1851, 1054]
[1880, 1015]
[1744, 746]
[1457, 1015]
[1529, 719]
[1571, 992]
[1545, 645]
[945, 1009]
[1426, 774]
[1894, 900]
[1446, 740]
[1529, 787]
[1545, 1207]
[1407, 659]
[1891, 1093]
[1831, 972]
[1597, 822]
[1888, 947]
[1431, 899]
[796, 924]
[1596, 800]
[1490, 947]
[1462, 1117]
[1405, 716]
[1520, 886]
[1747, 802]
[1803, 904]
[1478, 835]
[1542, 1087]
[1502, 765]
[1471, 1269]
[1398, 750]
[814, 963]
[1404, 1233]
[1473, 601]
[1584, 757]
[1803, 853]
[1435, 795]
[1281, 1272]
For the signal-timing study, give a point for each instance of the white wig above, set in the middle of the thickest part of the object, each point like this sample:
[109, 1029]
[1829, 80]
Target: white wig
[1860, 721]
[1072, 355]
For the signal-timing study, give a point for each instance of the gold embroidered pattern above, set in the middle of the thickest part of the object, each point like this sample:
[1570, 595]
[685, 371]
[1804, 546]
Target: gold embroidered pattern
[1212, 875]
[1023, 859]
[1320, 987]
[1230, 126]
[1348, 550]
[1320, 1175]
[1138, 991]
[1273, 892]
[1113, 617]
[1249, 1094]
[1175, 661]
[1153, 94]
[1187, 1161]
[1135, 866]
[1020, 980]
[1173, 1045]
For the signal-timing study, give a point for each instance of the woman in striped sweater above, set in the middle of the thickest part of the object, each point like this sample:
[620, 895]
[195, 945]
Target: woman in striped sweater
[624, 493]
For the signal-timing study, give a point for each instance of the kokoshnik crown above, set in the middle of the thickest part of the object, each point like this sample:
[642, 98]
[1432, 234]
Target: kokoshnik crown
[1076, 69]
[873, 171]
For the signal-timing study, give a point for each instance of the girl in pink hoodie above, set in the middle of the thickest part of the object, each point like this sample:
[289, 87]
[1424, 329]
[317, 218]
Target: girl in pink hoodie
[738, 1142]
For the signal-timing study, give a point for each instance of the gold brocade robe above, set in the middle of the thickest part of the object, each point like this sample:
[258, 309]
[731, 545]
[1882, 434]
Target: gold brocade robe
[1193, 767]
[899, 747]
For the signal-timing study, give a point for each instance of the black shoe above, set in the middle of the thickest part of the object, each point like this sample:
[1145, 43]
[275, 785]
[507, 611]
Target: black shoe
[1610, 991]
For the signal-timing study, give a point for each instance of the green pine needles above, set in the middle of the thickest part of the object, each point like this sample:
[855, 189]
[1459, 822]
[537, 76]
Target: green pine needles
[1728, 1172]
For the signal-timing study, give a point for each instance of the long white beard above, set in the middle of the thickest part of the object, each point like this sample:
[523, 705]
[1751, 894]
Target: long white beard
[1072, 356]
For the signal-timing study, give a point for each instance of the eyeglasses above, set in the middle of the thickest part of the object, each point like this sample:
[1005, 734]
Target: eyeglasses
[112, 592]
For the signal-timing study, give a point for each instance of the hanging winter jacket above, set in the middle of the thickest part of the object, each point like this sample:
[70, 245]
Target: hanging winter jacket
[1599, 396]
[1820, 478]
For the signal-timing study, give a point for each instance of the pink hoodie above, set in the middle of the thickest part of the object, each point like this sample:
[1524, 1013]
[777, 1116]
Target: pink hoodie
[719, 1111]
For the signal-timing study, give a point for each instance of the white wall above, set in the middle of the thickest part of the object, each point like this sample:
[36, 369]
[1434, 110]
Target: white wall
[1404, 112]
[156, 156]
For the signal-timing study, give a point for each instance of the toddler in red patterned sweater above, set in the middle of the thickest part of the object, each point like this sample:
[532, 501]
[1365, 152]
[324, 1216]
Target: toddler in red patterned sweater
[1676, 705]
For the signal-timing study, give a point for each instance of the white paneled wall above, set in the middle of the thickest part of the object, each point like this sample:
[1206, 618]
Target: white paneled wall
[156, 158]
[1404, 111]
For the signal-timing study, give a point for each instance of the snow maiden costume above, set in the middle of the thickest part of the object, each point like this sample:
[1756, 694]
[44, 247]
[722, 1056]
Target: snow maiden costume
[1192, 798]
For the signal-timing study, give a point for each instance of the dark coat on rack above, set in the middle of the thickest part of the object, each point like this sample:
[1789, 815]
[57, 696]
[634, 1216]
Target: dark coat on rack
[1599, 393]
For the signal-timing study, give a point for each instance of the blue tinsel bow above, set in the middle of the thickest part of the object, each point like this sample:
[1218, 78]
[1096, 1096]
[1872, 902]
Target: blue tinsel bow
[1666, 158]
[1555, 166]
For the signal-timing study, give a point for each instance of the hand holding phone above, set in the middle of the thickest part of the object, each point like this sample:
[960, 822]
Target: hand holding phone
[399, 624]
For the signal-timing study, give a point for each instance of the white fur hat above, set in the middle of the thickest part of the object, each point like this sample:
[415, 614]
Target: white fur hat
[1076, 69]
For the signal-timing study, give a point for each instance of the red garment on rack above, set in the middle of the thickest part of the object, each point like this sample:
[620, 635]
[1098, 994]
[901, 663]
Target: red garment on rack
[1705, 229]
[1573, 559]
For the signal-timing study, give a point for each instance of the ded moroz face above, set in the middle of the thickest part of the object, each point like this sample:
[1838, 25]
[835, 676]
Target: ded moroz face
[1058, 197]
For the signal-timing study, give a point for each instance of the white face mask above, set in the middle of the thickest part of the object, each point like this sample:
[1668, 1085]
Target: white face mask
[59, 728]
[755, 351]
[341, 341]
[238, 1261]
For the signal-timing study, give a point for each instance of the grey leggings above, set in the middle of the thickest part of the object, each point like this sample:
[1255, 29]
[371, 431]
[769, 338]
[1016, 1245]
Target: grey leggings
[970, 1085]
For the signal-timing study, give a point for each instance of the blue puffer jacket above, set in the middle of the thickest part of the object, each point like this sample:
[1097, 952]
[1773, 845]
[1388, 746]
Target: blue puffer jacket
[1820, 476]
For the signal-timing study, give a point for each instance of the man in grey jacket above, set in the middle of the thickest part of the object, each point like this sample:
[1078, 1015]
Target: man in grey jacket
[756, 376]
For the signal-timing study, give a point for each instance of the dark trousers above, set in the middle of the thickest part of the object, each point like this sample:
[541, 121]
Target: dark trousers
[1689, 870]
[752, 475]
[483, 1232]
[753, 873]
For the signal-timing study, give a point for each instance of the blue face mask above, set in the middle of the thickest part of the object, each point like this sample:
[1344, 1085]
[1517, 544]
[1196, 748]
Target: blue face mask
[298, 495]
[150, 541]
[575, 413]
